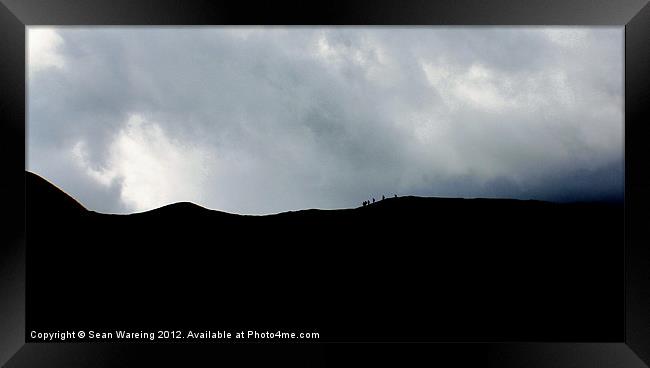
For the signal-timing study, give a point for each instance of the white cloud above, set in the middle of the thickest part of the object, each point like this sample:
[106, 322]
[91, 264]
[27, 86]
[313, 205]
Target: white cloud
[568, 36]
[44, 49]
[154, 168]
[477, 86]
[366, 54]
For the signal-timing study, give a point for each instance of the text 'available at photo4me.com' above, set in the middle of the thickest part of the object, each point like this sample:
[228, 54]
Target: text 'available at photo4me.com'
[172, 335]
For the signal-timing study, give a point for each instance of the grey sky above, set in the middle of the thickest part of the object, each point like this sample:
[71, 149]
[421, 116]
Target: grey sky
[270, 119]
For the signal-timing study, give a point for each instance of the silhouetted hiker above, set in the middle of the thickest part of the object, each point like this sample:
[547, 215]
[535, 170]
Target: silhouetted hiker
[395, 195]
[373, 199]
[364, 203]
[383, 197]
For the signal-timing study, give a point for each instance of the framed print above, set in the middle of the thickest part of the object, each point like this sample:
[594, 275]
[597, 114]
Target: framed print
[314, 183]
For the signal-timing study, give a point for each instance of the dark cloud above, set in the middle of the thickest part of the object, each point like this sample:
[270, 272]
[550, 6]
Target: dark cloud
[260, 120]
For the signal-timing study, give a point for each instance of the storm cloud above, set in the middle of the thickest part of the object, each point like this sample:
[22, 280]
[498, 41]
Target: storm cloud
[268, 119]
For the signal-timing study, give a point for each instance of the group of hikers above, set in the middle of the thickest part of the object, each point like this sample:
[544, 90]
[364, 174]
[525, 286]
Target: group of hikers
[365, 203]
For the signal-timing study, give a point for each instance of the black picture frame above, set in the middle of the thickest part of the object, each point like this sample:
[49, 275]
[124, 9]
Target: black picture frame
[634, 15]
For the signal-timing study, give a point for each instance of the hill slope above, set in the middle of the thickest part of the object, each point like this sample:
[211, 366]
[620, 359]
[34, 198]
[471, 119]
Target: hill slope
[43, 197]
[408, 268]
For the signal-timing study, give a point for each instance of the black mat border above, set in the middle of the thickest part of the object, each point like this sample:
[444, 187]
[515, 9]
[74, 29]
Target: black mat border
[633, 14]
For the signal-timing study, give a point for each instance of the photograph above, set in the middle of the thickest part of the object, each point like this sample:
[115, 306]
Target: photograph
[316, 180]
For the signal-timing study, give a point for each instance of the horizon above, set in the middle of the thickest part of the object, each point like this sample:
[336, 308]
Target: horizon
[262, 120]
[370, 203]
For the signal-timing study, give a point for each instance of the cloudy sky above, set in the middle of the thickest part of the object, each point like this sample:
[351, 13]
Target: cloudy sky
[269, 119]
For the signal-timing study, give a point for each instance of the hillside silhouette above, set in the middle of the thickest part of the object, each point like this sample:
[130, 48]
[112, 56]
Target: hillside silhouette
[400, 269]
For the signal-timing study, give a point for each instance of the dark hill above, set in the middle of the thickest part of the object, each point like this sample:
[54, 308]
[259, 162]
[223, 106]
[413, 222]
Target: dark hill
[43, 197]
[409, 268]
